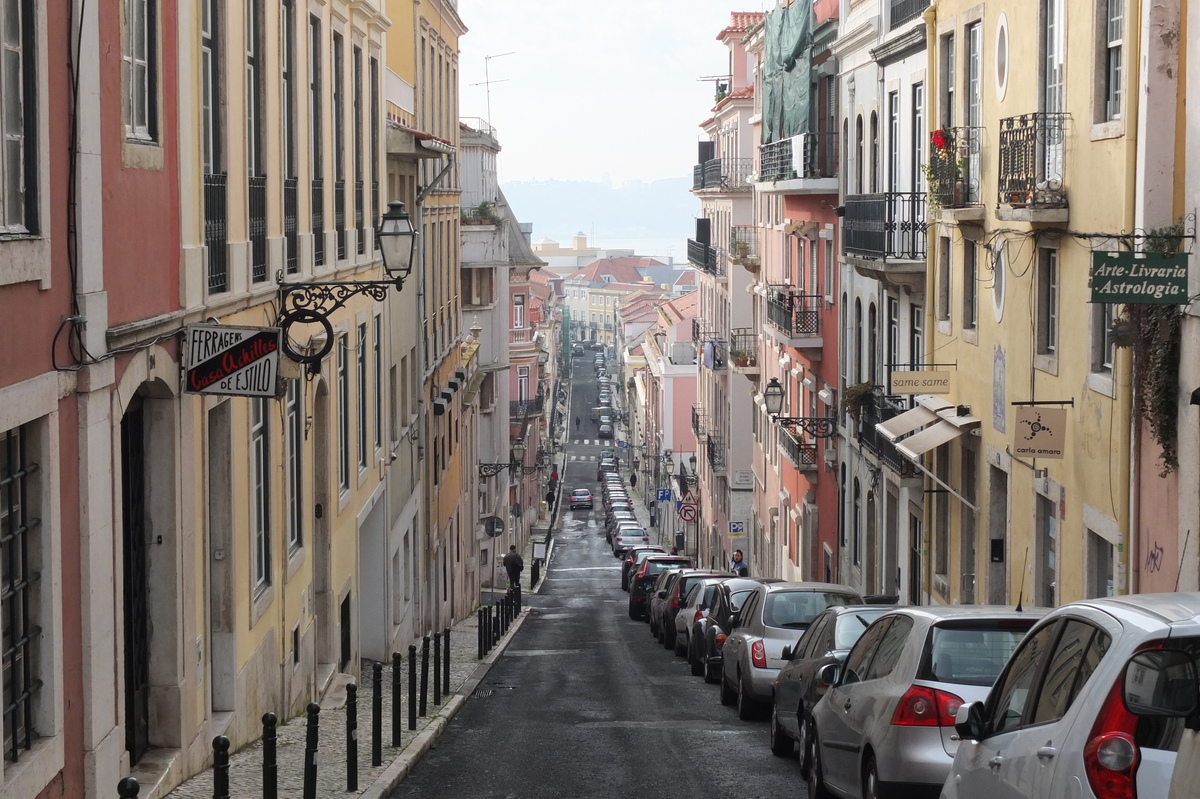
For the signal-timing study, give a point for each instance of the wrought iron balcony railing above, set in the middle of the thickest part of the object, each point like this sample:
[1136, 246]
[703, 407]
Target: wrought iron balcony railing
[904, 10]
[729, 174]
[699, 422]
[705, 257]
[522, 409]
[793, 314]
[873, 411]
[818, 157]
[360, 232]
[715, 450]
[1032, 153]
[290, 226]
[889, 225]
[954, 167]
[743, 348]
[317, 198]
[802, 456]
[743, 246]
[216, 227]
[375, 211]
[339, 217]
[258, 228]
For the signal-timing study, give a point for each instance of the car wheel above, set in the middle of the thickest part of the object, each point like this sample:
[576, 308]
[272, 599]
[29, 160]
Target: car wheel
[870, 780]
[728, 695]
[624, 582]
[662, 633]
[681, 647]
[816, 777]
[781, 744]
[633, 614]
[746, 708]
[695, 662]
[668, 639]
[802, 742]
[710, 674]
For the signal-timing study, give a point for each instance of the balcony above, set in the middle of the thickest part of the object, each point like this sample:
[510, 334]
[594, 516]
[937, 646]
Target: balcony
[801, 455]
[795, 319]
[215, 232]
[699, 422]
[743, 246]
[705, 258]
[804, 164]
[723, 174]
[257, 201]
[523, 409]
[904, 10]
[1032, 179]
[317, 201]
[715, 450]
[290, 227]
[743, 351]
[885, 236]
[876, 411]
[953, 172]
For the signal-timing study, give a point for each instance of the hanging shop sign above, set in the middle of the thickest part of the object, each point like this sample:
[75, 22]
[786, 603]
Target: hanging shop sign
[1041, 432]
[920, 381]
[232, 361]
[1140, 277]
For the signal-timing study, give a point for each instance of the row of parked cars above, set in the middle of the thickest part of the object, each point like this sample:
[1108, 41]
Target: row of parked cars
[1088, 700]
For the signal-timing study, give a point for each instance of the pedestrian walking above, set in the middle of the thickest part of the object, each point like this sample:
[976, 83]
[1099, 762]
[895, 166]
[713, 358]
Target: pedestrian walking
[514, 565]
[739, 566]
[576, 424]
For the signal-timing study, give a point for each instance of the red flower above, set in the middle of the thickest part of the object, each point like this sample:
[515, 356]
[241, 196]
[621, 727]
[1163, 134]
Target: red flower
[939, 139]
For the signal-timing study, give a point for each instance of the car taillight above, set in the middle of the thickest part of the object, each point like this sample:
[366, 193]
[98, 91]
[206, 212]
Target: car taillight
[926, 707]
[1111, 756]
[696, 616]
[641, 574]
[758, 655]
[675, 601]
[720, 640]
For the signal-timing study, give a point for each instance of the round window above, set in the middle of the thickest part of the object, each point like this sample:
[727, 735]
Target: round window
[1001, 57]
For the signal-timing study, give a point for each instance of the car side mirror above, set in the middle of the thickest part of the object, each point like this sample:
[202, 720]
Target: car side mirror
[662, 594]
[828, 675]
[1161, 682]
[970, 723]
[787, 653]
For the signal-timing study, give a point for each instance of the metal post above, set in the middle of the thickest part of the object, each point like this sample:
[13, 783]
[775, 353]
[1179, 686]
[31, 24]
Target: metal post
[535, 573]
[496, 633]
[220, 767]
[446, 662]
[479, 629]
[397, 717]
[270, 768]
[351, 737]
[377, 715]
[516, 600]
[437, 668]
[128, 788]
[412, 686]
[424, 674]
[310, 751]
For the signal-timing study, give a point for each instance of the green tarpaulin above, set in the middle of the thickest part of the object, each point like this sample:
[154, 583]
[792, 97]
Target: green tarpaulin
[786, 68]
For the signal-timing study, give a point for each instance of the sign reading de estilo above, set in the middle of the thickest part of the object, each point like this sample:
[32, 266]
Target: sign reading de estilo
[920, 381]
[1140, 277]
[1041, 432]
[229, 360]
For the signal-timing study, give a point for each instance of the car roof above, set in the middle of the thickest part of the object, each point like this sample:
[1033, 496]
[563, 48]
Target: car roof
[749, 583]
[830, 588]
[1169, 608]
[587, 491]
[935, 613]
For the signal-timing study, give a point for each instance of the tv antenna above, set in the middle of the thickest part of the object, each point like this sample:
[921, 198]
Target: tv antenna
[487, 81]
[721, 83]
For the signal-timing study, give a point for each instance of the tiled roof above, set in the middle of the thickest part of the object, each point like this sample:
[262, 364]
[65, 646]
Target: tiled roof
[740, 22]
[621, 270]
[682, 308]
[687, 278]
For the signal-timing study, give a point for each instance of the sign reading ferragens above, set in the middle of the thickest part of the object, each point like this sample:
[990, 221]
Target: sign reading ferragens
[1129, 277]
[237, 361]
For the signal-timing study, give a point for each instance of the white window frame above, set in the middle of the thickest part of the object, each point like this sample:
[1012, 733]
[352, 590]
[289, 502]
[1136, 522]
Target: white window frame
[138, 69]
[294, 433]
[343, 403]
[361, 410]
[377, 353]
[1049, 314]
[260, 493]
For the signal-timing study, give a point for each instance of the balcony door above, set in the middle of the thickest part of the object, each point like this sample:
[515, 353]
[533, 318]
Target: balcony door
[1052, 89]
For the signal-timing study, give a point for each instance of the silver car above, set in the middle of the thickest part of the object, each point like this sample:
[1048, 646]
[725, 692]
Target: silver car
[1088, 706]
[886, 722]
[770, 619]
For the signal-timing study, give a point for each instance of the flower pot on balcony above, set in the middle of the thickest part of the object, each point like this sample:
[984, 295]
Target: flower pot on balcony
[960, 192]
[1016, 199]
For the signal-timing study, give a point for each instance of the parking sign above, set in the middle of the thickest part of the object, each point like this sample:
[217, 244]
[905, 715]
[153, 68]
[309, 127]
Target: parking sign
[737, 528]
[663, 495]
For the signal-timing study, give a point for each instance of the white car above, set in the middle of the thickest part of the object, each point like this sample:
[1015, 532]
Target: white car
[1091, 705]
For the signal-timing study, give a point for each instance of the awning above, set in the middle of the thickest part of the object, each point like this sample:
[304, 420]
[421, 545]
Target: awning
[931, 437]
[906, 422]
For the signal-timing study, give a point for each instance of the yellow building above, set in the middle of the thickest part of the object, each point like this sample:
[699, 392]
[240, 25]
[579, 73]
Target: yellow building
[1029, 168]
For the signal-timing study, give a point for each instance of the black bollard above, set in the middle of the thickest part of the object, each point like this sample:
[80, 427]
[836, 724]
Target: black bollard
[446, 662]
[496, 632]
[312, 733]
[437, 668]
[351, 737]
[377, 715]
[535, 574]
[128, 788]
[397, 716]
[424, 675]
[516, 600]
[479, 630]
[220, 767]
[270, 767]
[412, 686]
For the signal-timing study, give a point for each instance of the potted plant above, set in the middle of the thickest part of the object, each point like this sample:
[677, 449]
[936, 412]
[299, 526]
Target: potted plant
[945, 170]
[855, 396]
[743, 358]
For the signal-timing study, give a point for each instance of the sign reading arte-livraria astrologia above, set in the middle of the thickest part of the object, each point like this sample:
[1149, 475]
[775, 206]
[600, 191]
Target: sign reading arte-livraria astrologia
[1140, 277]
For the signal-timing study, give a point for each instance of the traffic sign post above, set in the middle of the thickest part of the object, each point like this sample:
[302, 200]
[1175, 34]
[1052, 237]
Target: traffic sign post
[687, 511]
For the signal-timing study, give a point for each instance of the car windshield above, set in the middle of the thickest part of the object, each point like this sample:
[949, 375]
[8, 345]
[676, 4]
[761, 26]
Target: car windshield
[850, 627]
[795, 610]
[972, 654]
[656, 567]
[582, 492]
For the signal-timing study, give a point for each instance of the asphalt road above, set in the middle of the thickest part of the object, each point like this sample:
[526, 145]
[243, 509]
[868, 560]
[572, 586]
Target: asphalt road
[584, 703]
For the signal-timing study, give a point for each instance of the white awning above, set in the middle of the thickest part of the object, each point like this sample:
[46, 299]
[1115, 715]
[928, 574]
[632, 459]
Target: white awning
[906, 422]
[931, 437]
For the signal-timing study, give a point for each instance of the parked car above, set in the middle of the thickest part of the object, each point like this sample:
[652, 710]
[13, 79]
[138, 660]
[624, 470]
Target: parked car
[641, 581]
[887, 719]
[577, 350]
[691, 620]
[604, 467]
[581, 498]
[630, 555]
[769, 620]
[726, 602]
[665, 604]
[626, 535]
[605, 431]
[626, 518]
[1091, 704]
[827, 640]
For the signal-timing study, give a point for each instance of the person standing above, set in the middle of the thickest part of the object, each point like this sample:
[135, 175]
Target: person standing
[739, 566]
[514, 565]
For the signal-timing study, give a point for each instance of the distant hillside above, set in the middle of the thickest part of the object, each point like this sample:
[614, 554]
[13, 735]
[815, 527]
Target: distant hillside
[663, 209]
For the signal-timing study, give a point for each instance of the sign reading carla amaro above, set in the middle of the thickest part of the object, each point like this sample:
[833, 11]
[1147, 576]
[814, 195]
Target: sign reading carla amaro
[921, 381]
[233, 361]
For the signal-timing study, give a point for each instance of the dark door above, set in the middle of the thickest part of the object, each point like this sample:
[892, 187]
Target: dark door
[136, 594]
[345, 624]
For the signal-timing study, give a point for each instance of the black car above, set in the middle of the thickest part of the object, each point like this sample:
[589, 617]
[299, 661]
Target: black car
[727, 601]
[642, 582]
[577, 350]
[665, 606]
[631, 555]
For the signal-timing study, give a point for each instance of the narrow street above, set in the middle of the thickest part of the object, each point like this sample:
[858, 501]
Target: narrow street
[584, 703]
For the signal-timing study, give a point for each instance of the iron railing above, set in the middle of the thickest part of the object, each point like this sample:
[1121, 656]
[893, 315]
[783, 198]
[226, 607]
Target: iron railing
[874, 410]
[375, 215]
[318, 221]
[743, 245]
[818, 157]
[715, 450]
[339, 217]
[258, 228]
[743, 347]
[1031, 160]
[904, 10]
[802, 456]
[705, 257]
[699, 422]
[730, 174]
[291, 226]
[522, 409]
[361, 233]
[793, 314]
[954, 167]
[887, 225]
[216, 232]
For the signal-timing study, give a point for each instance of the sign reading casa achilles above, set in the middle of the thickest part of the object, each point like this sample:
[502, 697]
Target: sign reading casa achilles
[1041, 432]
[921, 381]
[1136, 277]
[229, 360]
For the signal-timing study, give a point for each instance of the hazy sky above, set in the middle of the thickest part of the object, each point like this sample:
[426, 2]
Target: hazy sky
[594, 89]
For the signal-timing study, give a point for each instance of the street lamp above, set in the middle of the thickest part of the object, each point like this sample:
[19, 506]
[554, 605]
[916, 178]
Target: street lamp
[817, 426]
[312, 302]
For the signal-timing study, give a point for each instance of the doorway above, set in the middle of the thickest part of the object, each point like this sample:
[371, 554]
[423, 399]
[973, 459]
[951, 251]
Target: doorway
[347, 637]
[323, 601]
[136, 588]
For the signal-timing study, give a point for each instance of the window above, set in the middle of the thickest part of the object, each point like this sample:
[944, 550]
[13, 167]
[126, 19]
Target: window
[857, 520]
[260, 491]
[18, 115]
[874, 152]
[1076, 655]
[374, 77]
[872, 345]
[859, 164]
[1100, 558]
[893, 334]
[1010, 698]
[970, 285]
[1047, 536]
[918, 141]
[948, 79]
[943, 279]
[339, 143]
[830, 265]
[137, 70]
[893, 123]
[973, 106]
[522, 383]
[1103, 350]
[287, 96]
[378, 358]
[916, 336]
[362, 395]
[210, 88]
[294, 430]
[1047, 299]
[856, 363]
[891, 647]
[859, 659]
[255, 97]
[1114, 40]
[315, 50]
[519, 312]
[343, 390]
[19, 532]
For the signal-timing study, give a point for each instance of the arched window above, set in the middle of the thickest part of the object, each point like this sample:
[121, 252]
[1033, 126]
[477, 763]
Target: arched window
[858, 155]
[874, 152]
[873, 345]
[857, 364]
[856, 519]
